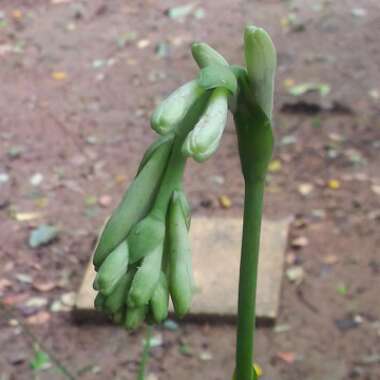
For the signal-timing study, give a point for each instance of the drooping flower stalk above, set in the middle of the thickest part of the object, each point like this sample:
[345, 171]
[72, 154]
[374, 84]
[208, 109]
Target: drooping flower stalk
[143, 253]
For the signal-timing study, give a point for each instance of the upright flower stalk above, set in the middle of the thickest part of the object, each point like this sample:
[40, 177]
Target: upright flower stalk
[143, 253]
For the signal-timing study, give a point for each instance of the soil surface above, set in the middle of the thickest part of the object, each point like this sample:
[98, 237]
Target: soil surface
[79, 80]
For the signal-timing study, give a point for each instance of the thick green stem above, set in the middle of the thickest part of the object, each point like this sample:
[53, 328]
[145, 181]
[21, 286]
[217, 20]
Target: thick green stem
[253, 205]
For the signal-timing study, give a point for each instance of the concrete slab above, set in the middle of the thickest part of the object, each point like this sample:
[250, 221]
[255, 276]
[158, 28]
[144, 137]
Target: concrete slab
[216, 256]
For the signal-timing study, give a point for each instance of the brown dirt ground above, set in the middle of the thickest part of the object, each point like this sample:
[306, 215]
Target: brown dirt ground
[85, 132]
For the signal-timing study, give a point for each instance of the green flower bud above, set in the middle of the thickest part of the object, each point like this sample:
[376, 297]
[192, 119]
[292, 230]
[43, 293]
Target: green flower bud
[136, 202]
[145, 237]
[205, 55]
[134, 317]
[160, 300]
[204, 139]
[175, 107]
[261, 60]
[146, 278]
[181, 281]
[112, 269]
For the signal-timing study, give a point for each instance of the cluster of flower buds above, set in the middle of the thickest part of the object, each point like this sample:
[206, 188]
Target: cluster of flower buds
[143, 255]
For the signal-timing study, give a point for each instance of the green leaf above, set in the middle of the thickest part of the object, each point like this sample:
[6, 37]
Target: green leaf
[40, 361]
[216, 75]
[300, 89]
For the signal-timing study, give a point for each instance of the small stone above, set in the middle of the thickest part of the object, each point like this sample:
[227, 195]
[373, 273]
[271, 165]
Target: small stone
[142, 44]
[24, 278]
[376, 189]
[4, 177]
[170, 325]
[217, 179]
[300, 242]
[346, 324]
[42, 235]
[295, 274]
[68, 299]
[36, 302]
[374, 94]
[279, 329]
[359, 12]
[36, 179]
[318, 214]
[305, 188]
[205, 355]
[287, 357]
[105, 200]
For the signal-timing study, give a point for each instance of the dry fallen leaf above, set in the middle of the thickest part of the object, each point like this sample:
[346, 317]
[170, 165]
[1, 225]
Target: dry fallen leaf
[26, 216]
[44, 286]
[38, 319]
[58, 75]
[14, 299]
[330, 259]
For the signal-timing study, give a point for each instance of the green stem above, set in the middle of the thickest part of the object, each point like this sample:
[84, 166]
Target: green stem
[253, 204]
[145, 354]
[172, 179]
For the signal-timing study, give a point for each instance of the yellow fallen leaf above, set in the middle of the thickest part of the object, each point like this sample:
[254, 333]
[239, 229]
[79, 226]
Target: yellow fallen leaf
[225, 201]
[333, 184]
[275, 166]
[258, 370]
[59, 75]
[26, 216]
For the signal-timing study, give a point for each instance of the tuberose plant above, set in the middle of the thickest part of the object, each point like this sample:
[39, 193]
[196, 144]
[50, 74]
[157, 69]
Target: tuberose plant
[143, 255]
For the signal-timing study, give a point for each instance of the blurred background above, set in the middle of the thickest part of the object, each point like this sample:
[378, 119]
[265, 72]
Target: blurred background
[79, 80]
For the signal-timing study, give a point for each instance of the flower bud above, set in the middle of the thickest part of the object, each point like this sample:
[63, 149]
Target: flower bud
[205, 55]
[204, 139]
[173, 109]
[145, 237]
[261, 60]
